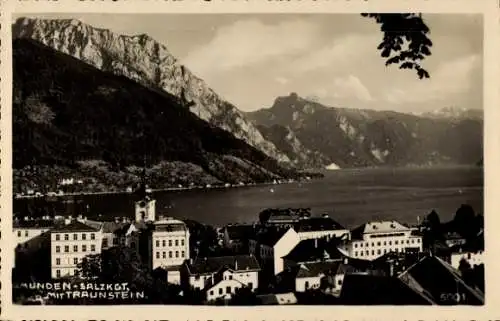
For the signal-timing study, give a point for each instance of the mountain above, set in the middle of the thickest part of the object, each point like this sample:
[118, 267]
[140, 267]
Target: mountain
[359, 138]
[148, 62]
[454, 113]
[73, 120]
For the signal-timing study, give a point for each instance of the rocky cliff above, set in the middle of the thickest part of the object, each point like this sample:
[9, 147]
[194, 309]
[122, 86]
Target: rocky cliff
[148, 62]
[358, 138]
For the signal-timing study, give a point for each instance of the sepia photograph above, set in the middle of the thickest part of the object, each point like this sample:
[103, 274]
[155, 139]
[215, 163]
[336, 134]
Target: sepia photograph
[248, 159]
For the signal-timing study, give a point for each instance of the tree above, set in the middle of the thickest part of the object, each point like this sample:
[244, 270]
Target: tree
[244, 296]
[465, 222]
[405, 40]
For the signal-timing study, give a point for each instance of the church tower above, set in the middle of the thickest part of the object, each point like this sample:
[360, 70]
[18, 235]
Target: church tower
[145, 206]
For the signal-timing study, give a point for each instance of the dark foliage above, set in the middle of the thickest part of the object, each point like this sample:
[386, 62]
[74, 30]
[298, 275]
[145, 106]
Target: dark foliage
[65, 111]
[405, 40]
[244, 296]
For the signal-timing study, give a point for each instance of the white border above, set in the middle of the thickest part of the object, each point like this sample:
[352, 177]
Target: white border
[490, 10]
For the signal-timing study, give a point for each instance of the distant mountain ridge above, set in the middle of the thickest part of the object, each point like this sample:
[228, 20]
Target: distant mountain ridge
[71, 119]
[454, 113]
[148, 62]
[365, 138]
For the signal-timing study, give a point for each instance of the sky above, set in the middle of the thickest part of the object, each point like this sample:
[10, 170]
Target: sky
[250, 59]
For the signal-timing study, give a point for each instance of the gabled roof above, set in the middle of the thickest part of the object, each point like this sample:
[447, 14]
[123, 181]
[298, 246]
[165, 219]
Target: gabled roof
[313, 250]
[74, 226]
[378, 227]
[365, 289]
[317, 224]
[432, 276]
[270, 236]
[215, 264]
[111, 227]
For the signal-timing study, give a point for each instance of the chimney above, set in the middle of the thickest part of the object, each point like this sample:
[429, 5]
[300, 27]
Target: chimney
[346, 260]
[315, 243]
[236, 265]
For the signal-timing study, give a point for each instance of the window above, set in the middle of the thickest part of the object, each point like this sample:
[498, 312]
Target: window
[66, 237]
[104, 242]
[164, 243]
[75, 248]
[84, 236]
[164, 255]
[390, 242]
[57, 237]
[355, 244]
[19, 234]
[26, 233]
[176, 253]
[66, 248]
[58, 273]
[228, 289]
[361, 253]
[157, 243]
[230, 277]
[373, 252]
[157, 255]
[412, 241]
[220, 291]
[75, 272]
[468, 256]
[373, 244]
[75, 236]
[84, 248]
[307, 285]
[58, 249]
[367, 252]
[339, 282]
[418, 240]
[58, 261]
[385, 243]
[355, 253]
[182, 242]
[396, 242]
[176, 242]
[378, 243]
[211, 292]
[92, 248]
[378, 251]
[183, 254]
[169, 242]
[92, 236]
[75, 260]
[170, 254]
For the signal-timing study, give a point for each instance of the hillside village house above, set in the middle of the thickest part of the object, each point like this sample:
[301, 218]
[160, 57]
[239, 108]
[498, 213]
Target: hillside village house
[271, 245]
[220, 277]
[374, 239]
[69, 244]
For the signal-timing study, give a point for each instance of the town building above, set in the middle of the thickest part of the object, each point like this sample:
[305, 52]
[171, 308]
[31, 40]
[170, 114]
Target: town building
[168, 247]
[374, 239]
[220, 277]
[271, 245]
[71, 243]
[25, 230]
[319, 227]
[472, 257]
[235, 237]
[283, 217]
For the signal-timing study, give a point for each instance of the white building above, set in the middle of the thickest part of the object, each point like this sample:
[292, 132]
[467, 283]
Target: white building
[169, 243]
[145, 209]
[26, 230]
[221, 277]
[374, 239]
[473, 258]
[70, 244]
[272, 245]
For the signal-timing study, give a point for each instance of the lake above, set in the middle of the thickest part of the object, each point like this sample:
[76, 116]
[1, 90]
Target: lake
[350, 196]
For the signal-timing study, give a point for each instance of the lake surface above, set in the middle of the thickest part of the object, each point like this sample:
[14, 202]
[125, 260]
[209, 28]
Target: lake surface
[351, 197]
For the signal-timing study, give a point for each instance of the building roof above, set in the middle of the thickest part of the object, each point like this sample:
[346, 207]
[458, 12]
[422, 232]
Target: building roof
[74, 226]
[239, 232]
[215, 264]
[317, 224]
[378, 227]
[365, 289]
[169, 225]
[33, 224]
[111, 227]
[277, 299]
[270, 236]
[433, 277]
[313, 250]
